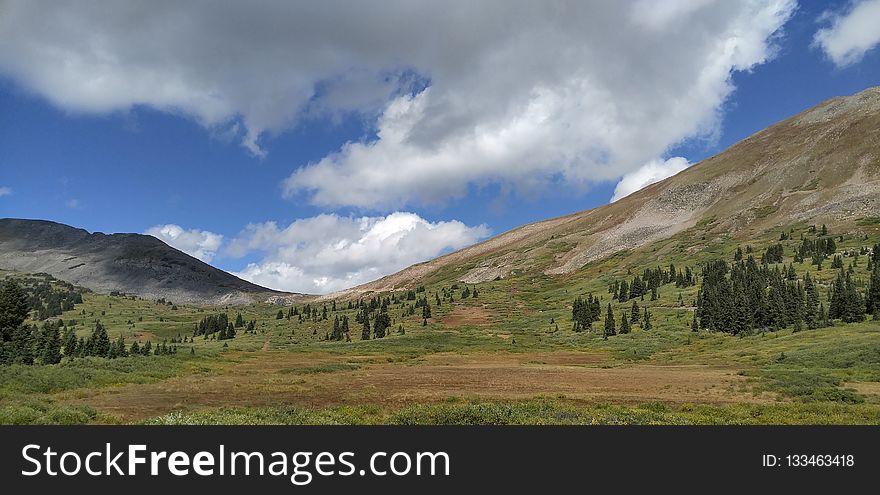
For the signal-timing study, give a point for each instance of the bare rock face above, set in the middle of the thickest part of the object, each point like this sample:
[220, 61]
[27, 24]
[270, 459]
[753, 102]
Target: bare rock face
[821, 166]
[133, 264]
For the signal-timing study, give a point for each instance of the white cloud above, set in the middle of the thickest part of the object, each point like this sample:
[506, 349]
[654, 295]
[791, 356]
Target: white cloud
[199, 244]
[72, 203]
[852, 33]
[328, 252]
[5, 191]
[647, 174]
[521, 92]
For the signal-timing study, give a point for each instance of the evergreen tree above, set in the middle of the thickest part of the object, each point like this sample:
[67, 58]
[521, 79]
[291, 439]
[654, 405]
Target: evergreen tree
[854, 306]
[610, 330]
[635, 312]
[51, 344]
[22, 345]
[811, 302]
[872, 298]
[380, 323]
[100, 341]
[70, 342]
[365, 334]
[119, 346]
[13, 309]
[646, 324]
[624, 323]
[822, 317]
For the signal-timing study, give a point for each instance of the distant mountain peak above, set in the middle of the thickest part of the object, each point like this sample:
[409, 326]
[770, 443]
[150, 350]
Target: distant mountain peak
[134, 264]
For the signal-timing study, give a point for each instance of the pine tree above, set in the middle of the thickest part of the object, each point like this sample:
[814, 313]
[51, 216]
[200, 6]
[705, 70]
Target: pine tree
[365, 334]
[609, 323]
[854, 307]
[22, 345]
[811, 303]
[380, 323]
[822, 317]
[100, 341]
[337, 329]
[120, 347]
[646, 325]
[13, 309]
[872, 298]
[70, 342]
[635, 312]
[51, 343]
[624, 323]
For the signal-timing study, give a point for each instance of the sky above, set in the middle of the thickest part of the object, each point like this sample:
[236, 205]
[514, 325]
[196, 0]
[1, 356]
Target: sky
[313, 147]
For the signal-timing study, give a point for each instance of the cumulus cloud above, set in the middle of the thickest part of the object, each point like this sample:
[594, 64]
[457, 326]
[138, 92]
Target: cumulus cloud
[647, 174]
[199, 244]
[329, 252]
[512, 92]
[5, 191]
[852, 33]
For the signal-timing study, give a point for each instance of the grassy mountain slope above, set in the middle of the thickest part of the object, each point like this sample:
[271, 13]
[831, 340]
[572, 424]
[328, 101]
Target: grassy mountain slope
[822, 165]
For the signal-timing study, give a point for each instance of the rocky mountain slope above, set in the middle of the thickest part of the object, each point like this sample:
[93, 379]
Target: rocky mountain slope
[129, 263]
[822, 165]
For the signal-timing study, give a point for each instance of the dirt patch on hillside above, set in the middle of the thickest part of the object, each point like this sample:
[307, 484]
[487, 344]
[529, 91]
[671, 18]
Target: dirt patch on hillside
[323, 381]
[468, 315]
[864, 388]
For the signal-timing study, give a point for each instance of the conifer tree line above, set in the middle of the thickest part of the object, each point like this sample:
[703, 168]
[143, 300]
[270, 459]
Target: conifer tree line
[216, 327]
[649, 283]
[54, 340]
[748, 296]
[372, 314]
[586, 311]
[48, 297]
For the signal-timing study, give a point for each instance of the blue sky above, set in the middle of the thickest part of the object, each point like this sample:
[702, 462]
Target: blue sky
[292, 146]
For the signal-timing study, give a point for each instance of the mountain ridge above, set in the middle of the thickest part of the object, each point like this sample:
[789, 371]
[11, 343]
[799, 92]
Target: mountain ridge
[821, 164]
[135, 264]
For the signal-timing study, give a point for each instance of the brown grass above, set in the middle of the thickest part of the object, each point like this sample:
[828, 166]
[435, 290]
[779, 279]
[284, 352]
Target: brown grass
[468, 315]
[264, 379]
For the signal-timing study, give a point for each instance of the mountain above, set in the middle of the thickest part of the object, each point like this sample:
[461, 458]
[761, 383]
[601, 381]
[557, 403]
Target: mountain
[820, 166]
[129, 263]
